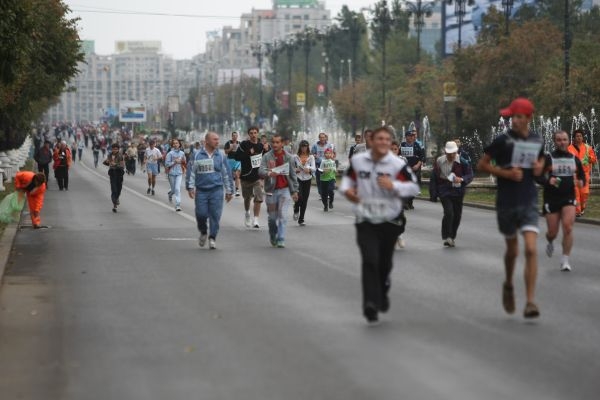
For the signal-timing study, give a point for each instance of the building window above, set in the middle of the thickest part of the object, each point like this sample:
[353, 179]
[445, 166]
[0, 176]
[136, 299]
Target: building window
[306, 17]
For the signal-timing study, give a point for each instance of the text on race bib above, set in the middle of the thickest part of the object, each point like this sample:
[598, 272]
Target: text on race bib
[373, 210]
[255, 160]
[407, 151]
[563, 167]
[525, 154]
[282, 169]
[206, 166]
[328, 166]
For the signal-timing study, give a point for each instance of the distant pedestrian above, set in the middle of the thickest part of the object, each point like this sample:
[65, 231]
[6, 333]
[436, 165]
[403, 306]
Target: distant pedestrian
[130, 159]
[62, 163]
[152, 155]
[587, 156]
[318, 151]
[80, 147]
[208, 179]
[357, 141]
[34, 186]
[328, 172]
[305, 168]
[43, 157]
[230, 149]
[175, 163]
[249, 154]
[414, 153]
[450, 177]
[116, 169]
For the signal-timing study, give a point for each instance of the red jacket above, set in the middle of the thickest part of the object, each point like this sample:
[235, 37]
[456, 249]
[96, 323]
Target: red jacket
[62, 161]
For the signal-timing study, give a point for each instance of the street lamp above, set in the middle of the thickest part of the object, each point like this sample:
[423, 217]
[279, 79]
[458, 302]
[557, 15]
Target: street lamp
[507, 5]
[460, 10]
[342, 73]
[259, 52]
[306, 39]
[274, 49]
[421, 10]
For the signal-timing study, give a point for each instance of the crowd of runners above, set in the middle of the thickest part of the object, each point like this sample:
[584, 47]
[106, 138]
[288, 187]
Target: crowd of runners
[381, 181]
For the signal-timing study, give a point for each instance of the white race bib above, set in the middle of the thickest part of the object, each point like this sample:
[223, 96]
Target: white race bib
[373, 210]
[525, 154]
[206, 166]
[563, 167]
[406, 151]
[255, 160]
[282, 169]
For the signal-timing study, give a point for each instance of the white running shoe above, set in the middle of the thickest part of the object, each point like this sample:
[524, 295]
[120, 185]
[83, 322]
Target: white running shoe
[549, 249]
[296, 216]
[248, 221]
[202, 240]
[401, 244]
[256, 224]
[565, 267]
[212, 244]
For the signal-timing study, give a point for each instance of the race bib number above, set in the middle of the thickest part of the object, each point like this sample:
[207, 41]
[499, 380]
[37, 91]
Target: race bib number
[525, 154]
[255, 160]
[329, 166]
[373, 210]
[206, 166]
[282, 169]
[563, 166]
[407, 151]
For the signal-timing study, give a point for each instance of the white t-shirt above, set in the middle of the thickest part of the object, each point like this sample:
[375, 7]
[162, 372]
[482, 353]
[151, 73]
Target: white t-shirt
[153, 155]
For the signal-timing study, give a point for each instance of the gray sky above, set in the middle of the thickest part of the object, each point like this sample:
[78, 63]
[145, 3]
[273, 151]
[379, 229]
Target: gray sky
[182, 37]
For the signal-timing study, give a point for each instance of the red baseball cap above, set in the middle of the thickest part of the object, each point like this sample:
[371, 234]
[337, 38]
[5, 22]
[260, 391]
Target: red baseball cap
[520, 105]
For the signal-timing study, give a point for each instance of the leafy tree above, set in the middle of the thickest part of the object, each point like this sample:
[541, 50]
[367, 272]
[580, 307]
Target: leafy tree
[39, 53]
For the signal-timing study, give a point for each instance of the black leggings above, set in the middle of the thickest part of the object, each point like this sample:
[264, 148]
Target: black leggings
[62, 177]
[303, 194]
[452, 215]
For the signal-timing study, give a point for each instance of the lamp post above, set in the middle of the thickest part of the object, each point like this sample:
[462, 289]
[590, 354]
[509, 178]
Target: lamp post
[274, 49]
[342, 73]
[567, 56]
[507, 5]
[259, 52]
[420, 10]
[460, 10]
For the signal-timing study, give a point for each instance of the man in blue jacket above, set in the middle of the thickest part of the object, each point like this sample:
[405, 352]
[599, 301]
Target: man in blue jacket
[207, 178]
[451, 175]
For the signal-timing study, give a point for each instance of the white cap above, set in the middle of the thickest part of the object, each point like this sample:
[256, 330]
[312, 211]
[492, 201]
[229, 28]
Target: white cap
[451, 147]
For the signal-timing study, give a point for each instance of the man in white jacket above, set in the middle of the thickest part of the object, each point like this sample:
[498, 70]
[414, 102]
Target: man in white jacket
[376, 182]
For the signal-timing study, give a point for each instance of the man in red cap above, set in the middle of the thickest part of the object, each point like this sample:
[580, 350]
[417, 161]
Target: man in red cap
[515, 159]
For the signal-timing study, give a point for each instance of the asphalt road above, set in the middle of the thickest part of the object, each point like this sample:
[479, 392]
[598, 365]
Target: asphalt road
[126, 306]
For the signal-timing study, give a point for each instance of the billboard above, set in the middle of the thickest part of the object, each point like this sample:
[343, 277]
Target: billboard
[137, 46]
[132, 111]
[472, 20]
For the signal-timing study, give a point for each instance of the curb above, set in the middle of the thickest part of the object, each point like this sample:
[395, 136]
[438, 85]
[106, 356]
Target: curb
[587, 221]
[6, 244]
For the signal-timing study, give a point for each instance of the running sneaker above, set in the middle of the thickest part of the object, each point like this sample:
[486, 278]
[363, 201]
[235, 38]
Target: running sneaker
[202, 240]
[508, 298]
[325, 209]
[148, 191]
[301, 223]
[170, 197]
[237, 193]
[549, 249]
[296, 216]
[401, 244]
[152, 192]
[178, 208]
[452, 242]
[531, 311]
[114, 209]
[331, 205]
[256, 224]
[212, 244]
[273, 241]
[565, 267]
[280, 244]
[371, 315]
[447, 242]
[248, 220]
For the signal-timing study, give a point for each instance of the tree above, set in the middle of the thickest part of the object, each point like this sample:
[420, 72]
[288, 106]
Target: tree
[39, 53]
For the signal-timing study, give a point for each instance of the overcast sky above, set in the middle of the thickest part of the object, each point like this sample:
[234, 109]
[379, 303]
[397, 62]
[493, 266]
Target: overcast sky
[182, 37]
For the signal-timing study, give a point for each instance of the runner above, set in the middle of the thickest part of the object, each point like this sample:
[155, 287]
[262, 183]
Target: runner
[265, 142]
[116, 169]
[304, 163]
[234, 165]
[43, 156]
[152, 156]
[318, 151]
[357, 141]
[207, 178]
[586, 155]
[561, 168]
[415, 156]
[80, 147]
[175, 164]
[34, 186]
[249, 154]
[518, 157]
[96, 151]
[62, 163]
[280, 181]
[450, 177]
[130, 157]
[375, 182]
[328, 171]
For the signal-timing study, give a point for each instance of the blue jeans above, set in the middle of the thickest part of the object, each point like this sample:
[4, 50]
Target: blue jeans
[278, 205]
[209, 206]
[175, 182]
